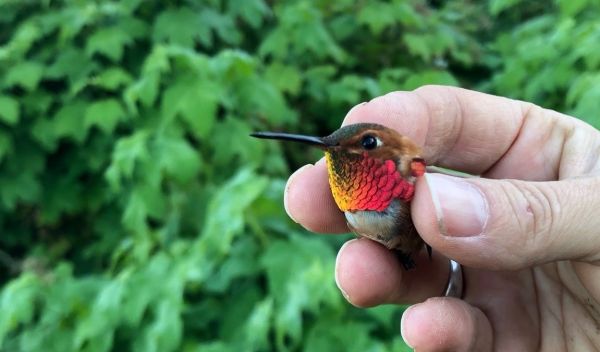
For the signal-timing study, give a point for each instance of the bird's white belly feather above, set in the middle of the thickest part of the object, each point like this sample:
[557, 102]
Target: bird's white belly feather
[382, 226]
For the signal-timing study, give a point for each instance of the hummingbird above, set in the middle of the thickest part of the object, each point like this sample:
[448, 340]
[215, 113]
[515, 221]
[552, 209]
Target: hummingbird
[372, 170]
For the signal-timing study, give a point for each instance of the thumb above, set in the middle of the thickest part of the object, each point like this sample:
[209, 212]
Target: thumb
[508, 224]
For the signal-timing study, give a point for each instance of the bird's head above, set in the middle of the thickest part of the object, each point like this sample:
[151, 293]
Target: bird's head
[369, 165]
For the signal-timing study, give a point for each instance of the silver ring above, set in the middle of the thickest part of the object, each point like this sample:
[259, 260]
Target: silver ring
[455, 281]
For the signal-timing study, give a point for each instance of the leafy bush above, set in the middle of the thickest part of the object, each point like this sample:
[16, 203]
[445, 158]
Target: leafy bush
[136, 214]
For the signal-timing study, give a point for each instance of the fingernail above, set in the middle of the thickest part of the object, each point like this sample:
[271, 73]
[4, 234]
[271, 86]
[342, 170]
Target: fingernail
[337, 282]
[287, 187]
[406, 317]
[461, 208]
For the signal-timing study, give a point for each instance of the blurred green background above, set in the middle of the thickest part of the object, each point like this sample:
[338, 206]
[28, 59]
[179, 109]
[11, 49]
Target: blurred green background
[135, 212]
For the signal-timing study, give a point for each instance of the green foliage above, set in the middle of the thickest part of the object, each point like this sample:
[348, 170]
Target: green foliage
[135, 212]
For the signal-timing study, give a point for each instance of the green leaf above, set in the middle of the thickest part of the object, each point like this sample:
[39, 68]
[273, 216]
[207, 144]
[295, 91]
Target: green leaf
[112, 78]
[195, 101]
[17, 303]
[417, 45]
[377, 16]
[353, 336]
[23, 187]
[177, 158]
[68, 122]
[224, 216]
[285, 78]
[104, 315]
[222, 24]
[347, 90]
[252, 11]
[145, 91]
[408, 14]
[165, 333]
[258, 325]
[572, 7]
[105, 114]
[26, 34]
[138, 300]
[73, 64]
[9, 110]
[246, 150]
[181, 26]
[27, 75]
[586, 107]
[110, 42]
[38, 102]
[299, 283]
[259, 97]
[275, 44]
[44, 133]
[157, 61]
[497, 6]
[135, 27]
[127, 152]
[134, 215]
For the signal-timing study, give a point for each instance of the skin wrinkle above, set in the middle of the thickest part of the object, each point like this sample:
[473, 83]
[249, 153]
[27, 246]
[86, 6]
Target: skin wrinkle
[541, 220]
[570, 293]
[543, 277]
[569, 167]
[498, 325]
[495, 341]
[590, 341]
[436, 143]
[593, 255]
[560, 129]
[519, 257]
[393, 294]
[460, 113]
[594, 164]
[482, 306]
[387, 111]
[445, 145]
[530, 116]
[398, 111]
[537, 302]
[554, 217]
[492, 336]
[563, 317]
[576, 132]
[547, 162]
[578, 291]
[527, 224]
[560, 175]
[530, 310]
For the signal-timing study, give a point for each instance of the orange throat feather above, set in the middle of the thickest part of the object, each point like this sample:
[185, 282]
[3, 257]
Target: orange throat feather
[360, 182]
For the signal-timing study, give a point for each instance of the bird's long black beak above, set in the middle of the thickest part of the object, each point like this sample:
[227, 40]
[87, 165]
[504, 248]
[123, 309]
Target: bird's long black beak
[310, 140]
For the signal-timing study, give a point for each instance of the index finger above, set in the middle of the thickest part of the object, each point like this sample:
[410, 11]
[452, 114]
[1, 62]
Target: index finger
[474, 132]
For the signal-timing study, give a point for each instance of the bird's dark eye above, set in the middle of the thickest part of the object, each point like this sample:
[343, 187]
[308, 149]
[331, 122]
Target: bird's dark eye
[369, 142]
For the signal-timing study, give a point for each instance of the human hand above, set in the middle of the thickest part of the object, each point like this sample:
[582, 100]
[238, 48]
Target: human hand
[530, 246]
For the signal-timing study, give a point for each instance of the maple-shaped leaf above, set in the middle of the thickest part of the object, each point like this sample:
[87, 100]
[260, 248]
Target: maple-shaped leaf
[25, 74]
[181, 26]
[109, 41]
[105, 114]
